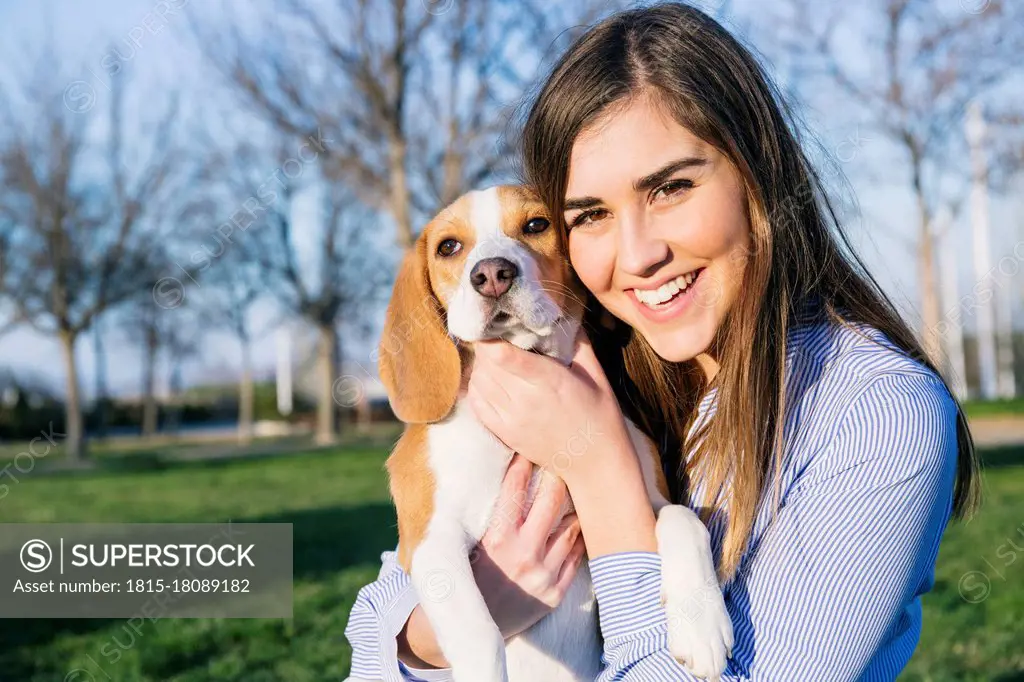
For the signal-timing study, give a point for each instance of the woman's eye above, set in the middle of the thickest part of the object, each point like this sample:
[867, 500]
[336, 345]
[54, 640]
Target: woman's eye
[590, 216]
[672, 187]
[536, 226]
[448, 247]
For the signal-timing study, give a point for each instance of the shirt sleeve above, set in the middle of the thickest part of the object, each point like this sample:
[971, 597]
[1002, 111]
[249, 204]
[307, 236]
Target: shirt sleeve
[831, 591]
[379, 614]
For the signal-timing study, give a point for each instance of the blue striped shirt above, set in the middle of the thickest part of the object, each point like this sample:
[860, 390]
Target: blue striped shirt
[829, 589]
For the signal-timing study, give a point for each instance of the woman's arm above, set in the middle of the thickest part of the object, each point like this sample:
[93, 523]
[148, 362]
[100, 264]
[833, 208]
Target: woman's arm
[522, 566]
[832, 590]
[380, 613]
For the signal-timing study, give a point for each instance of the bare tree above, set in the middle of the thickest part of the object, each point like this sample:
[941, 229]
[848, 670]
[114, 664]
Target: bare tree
[413, 95]
[283, 228]
[101, 393]
[404, 104]
[161, 333]
[911, 67]
[228, 297]
[76, 215]
[182, 344]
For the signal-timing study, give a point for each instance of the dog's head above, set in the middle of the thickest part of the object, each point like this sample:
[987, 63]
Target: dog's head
[490, 266]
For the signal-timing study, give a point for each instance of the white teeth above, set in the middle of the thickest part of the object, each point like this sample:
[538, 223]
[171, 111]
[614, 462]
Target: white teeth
[666, 292]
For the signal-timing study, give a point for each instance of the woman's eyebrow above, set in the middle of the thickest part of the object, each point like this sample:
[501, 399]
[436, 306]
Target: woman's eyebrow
[665, 172]
[643, 184]
[582, 202]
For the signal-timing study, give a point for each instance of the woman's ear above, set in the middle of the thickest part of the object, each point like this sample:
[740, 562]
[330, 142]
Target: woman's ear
[419, 363]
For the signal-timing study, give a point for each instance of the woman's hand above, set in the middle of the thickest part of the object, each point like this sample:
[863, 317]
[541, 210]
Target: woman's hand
[564, 419]
[525, 562]
[567, 420]
[521, 566]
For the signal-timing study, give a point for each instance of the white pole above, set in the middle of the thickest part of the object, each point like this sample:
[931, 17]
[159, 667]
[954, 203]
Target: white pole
[982, 263]
[949, 274]
[1004, 296]
[284, 372]
[1004, 322]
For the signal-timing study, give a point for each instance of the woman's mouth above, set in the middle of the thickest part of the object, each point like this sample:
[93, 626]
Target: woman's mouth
[667, 292]
[668, 300]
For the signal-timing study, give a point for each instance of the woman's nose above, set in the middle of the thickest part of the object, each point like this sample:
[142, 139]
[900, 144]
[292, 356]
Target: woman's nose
[640, 250]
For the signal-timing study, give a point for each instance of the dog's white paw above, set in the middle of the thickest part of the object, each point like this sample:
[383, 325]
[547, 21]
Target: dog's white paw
[700, 633]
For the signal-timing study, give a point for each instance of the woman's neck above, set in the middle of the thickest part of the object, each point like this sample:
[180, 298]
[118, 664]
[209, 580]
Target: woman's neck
[708, 365]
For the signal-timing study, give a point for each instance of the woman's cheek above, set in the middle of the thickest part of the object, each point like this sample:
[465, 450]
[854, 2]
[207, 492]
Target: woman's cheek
[593, 259]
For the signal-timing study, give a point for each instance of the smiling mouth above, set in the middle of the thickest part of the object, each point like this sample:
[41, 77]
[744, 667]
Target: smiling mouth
[669, 291]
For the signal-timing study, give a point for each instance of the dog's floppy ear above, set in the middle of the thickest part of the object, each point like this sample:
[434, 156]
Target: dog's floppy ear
[419, 364]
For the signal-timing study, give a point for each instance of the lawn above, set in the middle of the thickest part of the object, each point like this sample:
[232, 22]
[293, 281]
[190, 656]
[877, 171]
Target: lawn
[342, 520]
[1005, 407]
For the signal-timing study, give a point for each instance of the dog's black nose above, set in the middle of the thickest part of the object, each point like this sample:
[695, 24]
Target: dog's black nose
[492, 277]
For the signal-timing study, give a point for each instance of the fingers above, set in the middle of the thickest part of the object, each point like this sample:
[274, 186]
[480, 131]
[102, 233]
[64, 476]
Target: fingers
[508, 513]
[561, 543]
[485, 398]
[494, 351]
[486, 385]
[548, 507]
[585, 359]
[584, 349]
[510, 364]
[571, 566]
[498, 360]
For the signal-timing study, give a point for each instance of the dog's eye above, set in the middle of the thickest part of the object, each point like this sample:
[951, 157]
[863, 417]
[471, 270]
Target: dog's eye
[536, 226]
[448, 247]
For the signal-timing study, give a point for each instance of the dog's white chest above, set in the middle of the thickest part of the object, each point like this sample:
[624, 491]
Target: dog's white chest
[469, 464]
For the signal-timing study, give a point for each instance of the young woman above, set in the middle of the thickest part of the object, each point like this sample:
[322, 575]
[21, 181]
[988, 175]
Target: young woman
[794, 408]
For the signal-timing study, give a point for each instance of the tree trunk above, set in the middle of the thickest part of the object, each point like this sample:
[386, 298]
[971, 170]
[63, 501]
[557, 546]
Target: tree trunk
[101, 380]
[173, 408]
[149, 406]
[931, 312]
[400, 193]
[72, 404]
[327, 369]
[245, 396]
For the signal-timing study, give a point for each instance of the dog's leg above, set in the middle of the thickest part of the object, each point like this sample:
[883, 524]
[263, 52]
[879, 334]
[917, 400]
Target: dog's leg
[700, 633]
[448, 592]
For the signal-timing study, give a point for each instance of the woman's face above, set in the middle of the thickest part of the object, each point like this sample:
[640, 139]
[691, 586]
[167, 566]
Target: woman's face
[658, 227]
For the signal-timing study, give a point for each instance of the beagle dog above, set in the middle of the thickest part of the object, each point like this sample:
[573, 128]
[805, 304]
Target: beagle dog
[490, 266]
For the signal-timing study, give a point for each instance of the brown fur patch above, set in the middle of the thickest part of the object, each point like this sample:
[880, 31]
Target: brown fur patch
[418, 363]
[412, 489]
[451, 223]
[521, 206]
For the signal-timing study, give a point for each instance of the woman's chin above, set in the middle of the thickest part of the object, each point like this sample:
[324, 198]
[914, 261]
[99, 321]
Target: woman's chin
[676, 345]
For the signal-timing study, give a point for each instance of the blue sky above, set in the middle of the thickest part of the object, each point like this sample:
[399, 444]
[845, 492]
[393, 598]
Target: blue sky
[162, 57]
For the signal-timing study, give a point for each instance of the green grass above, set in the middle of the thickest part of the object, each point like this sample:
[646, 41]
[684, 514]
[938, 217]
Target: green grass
[342, 519]
[980, 639]
[1007, 407]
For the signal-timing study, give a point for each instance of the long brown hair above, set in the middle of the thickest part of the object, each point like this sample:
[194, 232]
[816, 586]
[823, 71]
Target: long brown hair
[799, 258]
